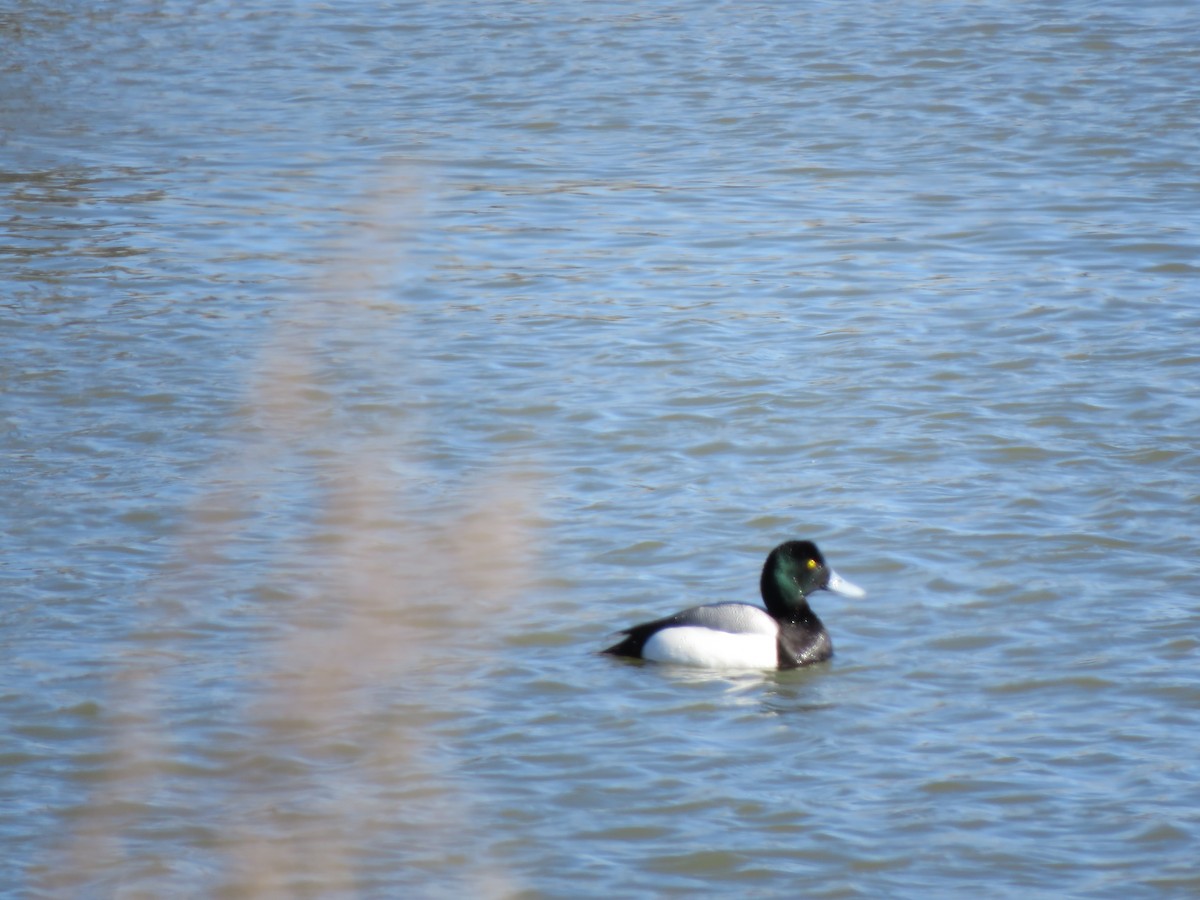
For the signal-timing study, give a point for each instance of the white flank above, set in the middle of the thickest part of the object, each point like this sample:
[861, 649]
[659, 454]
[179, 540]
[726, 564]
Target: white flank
[691, 646]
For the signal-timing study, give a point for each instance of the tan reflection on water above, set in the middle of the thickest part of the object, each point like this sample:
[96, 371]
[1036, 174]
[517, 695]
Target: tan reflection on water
[385, 604]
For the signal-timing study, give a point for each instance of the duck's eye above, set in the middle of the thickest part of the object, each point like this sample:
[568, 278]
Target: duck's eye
[812, 564]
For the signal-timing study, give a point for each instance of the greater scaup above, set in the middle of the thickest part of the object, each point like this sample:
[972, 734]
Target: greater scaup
[785, 635]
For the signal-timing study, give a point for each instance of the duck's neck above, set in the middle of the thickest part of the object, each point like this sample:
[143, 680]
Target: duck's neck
[793, 609]
[803, 616]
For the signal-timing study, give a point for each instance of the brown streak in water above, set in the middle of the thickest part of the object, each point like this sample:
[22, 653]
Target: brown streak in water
[384, 611]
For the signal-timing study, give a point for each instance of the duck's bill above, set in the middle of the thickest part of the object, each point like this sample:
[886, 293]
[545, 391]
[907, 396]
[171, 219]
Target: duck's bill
[840, 585]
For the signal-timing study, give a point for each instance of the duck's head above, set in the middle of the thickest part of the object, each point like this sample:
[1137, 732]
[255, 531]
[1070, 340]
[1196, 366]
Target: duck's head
[794, 570]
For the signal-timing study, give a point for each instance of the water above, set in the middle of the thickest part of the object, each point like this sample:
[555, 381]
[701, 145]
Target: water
[364, 368]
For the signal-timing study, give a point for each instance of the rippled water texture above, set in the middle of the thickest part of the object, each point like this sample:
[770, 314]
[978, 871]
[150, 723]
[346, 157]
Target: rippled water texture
[365, 366]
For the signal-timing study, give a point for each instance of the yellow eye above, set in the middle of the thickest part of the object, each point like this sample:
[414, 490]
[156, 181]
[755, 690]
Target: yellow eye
[812, 563]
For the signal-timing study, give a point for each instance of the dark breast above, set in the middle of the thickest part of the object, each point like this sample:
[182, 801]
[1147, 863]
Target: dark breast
[802, 646]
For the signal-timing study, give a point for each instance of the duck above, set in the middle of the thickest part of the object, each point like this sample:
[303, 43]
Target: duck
[785, 635]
